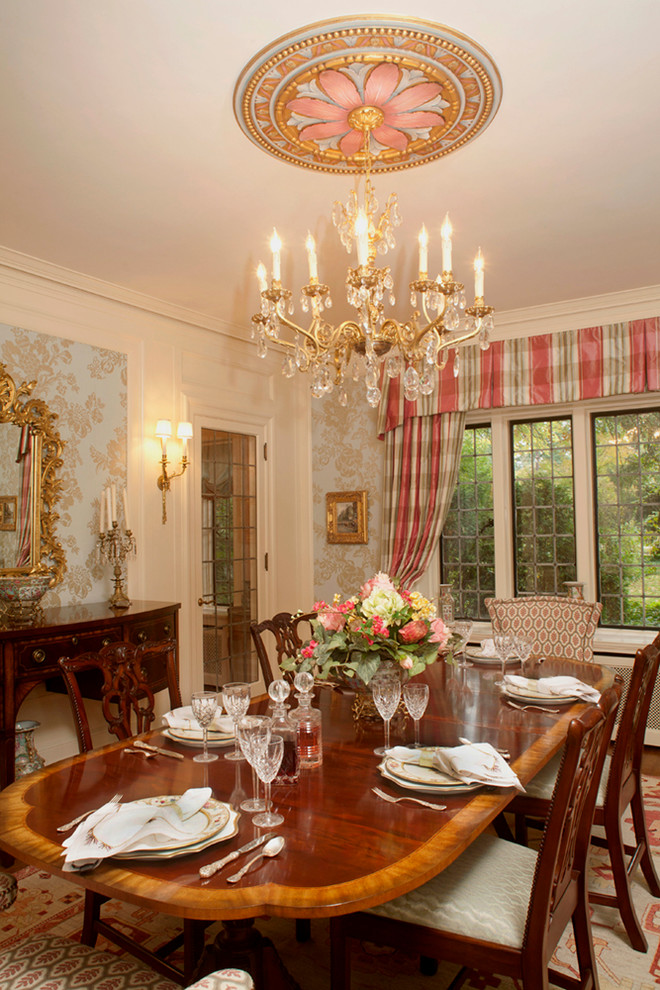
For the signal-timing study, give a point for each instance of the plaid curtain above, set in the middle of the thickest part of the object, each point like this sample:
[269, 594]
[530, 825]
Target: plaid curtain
[618, 359]
[422, 458]
[423, 439]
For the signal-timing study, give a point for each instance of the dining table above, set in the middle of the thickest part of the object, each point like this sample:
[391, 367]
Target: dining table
[346, 849]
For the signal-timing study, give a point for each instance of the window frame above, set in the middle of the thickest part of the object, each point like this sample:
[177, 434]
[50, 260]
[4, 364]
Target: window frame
[621, 640]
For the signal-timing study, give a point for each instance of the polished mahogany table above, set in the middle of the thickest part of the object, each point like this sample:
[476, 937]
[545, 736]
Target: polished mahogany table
[346, 849]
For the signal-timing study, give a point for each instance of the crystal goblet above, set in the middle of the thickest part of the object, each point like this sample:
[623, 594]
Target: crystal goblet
[204, 705]
[463, 629]
[268, 758]
[236, 699]
[503, 643]
[416, 698]
[253, 731]
[386, 692]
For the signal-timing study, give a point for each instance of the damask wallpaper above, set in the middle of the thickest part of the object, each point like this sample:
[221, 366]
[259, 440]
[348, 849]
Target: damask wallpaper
[347, 456]
[86, 387]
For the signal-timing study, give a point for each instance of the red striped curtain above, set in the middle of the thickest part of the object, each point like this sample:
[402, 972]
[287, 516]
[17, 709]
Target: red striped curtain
[423, 439]
[422, 458]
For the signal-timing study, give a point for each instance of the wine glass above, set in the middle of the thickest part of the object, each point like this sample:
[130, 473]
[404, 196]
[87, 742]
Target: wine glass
[267, 760]
[236, 699]
[523, 647]
[204, 706]
[503, 643]
[386, 691]
[252, 731]
[462, 628]
[416, 698]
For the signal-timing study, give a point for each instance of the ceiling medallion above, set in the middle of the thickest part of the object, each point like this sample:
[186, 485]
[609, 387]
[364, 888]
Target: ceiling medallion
[363, 97]
[429, 90]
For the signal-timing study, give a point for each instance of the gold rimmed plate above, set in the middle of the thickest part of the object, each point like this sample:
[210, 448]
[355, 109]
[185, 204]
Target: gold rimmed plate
[534, 697]
[186, 739]
[209, 823]
[414, 776]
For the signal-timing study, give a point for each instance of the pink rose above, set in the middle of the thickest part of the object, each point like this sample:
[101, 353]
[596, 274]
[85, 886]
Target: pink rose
[413, 631]
[381, 581]
[407, 663]
[439, 633]
[331, 620]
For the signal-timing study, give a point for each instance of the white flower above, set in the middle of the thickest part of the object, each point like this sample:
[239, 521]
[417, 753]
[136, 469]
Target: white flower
[383, 603]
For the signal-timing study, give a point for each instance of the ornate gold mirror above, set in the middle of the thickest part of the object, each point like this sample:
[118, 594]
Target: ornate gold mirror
[31, 559]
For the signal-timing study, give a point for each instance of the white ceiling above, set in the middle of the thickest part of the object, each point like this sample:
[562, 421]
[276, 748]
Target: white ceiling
[121, 157]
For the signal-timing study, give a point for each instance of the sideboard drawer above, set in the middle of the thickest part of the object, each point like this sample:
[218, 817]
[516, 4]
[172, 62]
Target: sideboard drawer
[153, 630]
[40, 657]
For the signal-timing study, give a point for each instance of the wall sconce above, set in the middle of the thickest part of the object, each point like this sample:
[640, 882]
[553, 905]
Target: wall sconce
[164, 431]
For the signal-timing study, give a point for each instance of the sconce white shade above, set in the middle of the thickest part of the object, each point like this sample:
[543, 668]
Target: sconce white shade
[164, 429]
[184, 431]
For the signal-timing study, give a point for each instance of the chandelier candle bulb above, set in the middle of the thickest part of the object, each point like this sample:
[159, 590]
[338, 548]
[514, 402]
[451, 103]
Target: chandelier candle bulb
[311, 256]
[362, 237]
[108, 508]
[276, 247]
[125, 501]
[114, 503]
[261, 277]
[102, 514]
[479, 276]
[423, 252]
[446, 231]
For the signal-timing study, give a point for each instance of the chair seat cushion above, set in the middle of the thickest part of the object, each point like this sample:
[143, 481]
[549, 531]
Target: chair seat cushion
[8, 888]
[542, 785]
[50, 962]
[484, 892]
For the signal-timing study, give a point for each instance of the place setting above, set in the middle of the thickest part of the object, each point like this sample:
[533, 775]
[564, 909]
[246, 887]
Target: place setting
[183, 726]
[158, 827]
[558, 690]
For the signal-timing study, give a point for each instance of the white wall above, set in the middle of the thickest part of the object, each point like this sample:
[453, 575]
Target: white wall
[179, 366]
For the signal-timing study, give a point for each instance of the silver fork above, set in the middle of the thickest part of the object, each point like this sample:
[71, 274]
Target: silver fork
[395, 800]
[81, 818]
[533, 708]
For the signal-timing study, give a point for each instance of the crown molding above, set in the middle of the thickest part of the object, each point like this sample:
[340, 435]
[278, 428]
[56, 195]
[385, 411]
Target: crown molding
[570, 314]
[576, 314]
[46, 270]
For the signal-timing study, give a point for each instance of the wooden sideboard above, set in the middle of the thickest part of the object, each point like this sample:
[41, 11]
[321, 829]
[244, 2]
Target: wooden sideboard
[29, 654]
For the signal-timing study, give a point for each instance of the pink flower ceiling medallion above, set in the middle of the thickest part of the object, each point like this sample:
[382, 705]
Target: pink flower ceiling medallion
[420, 90]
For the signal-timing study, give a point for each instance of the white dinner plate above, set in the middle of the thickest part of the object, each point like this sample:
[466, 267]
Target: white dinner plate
[212, 823]
[478, 657]
[188, 740]
[413, 773]
[532, 697]
[457, 787]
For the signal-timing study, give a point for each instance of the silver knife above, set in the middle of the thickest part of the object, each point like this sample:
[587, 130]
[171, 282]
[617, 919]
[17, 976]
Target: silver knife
[157, 749]
[211, 868]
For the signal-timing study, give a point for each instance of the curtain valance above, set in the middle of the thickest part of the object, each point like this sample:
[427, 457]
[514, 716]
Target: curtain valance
[569, 366]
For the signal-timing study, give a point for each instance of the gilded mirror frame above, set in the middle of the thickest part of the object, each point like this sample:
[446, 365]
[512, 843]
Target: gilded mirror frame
[18, 407]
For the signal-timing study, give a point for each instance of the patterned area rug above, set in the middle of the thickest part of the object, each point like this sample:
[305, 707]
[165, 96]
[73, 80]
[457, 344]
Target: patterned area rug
[48, 904]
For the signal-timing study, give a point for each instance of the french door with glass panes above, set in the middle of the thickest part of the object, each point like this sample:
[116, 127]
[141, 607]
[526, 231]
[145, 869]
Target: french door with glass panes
[229, 555]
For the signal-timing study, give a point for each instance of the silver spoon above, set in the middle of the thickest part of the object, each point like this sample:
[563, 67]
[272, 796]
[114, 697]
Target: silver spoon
[272, 848]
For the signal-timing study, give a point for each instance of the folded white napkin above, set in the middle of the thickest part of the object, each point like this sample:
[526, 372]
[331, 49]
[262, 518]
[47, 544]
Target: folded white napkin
[488, 648]
[183, 720]
[561, 686]
[116, 828]
[470, 762]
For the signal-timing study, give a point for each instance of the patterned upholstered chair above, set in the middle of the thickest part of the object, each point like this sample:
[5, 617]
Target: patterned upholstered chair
[501, 907]
[288, 634]
[620, 789]
[560, 627]
[51, 962]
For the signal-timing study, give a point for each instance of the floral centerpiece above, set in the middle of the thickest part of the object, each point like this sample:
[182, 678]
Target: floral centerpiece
[352, 638]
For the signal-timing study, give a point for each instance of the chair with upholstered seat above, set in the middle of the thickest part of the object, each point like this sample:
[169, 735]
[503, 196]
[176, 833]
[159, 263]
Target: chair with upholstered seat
[556, 626]
[620, 789]
[127, 701]
[501, 907]
[127, 698]
[289, 632]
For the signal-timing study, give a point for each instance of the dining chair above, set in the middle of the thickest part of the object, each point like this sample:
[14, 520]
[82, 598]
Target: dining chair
[127, 702]
[127, 699]
[289, 633]
[557, 626]
[501, 908]
[620, 788]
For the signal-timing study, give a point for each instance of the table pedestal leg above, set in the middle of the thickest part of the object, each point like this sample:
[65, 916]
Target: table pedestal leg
[242, 946]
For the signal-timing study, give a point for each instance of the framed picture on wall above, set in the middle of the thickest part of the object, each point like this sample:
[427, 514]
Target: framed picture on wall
[346, 517]
[7, 512]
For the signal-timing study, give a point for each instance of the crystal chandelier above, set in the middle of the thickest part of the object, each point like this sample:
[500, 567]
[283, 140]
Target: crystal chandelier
[356, 348]
[365, 95]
